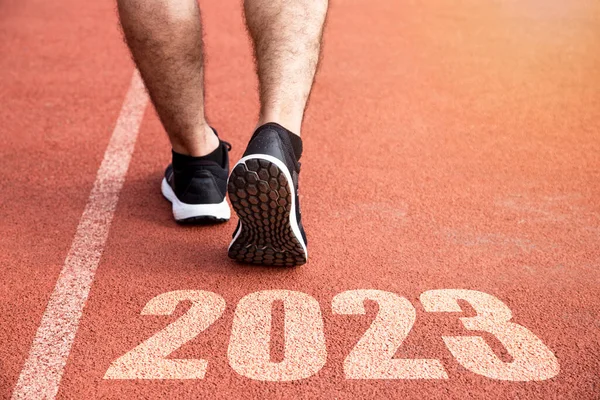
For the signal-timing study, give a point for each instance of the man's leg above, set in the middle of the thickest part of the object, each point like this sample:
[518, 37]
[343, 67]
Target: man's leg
[263, 186]
[165, 38]
[287, 43]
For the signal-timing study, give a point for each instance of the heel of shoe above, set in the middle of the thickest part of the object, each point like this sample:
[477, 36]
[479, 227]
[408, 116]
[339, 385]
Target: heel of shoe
[185, 213]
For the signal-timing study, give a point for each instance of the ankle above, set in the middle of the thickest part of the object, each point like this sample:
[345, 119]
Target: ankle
[182, 162]
[201, 142]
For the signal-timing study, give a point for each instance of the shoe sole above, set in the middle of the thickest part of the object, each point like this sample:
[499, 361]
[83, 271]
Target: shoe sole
[269, 234]
[195, 213]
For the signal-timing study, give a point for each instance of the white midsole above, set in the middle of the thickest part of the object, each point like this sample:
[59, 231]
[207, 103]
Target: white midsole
[182, 211]
[288, 176]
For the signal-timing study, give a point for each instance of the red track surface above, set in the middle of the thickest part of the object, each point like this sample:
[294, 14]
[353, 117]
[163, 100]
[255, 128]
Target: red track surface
[447, 146]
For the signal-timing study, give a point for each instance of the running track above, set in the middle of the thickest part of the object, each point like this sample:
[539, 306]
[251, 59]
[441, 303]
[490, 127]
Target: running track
[449, 145]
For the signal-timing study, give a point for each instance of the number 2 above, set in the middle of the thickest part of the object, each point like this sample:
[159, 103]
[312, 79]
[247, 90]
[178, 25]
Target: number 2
[147, 360]
[372, 357]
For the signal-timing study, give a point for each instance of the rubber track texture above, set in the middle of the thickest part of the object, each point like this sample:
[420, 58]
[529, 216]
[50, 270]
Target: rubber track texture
[260, 195]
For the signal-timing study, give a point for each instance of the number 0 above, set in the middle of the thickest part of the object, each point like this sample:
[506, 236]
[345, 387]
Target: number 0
[304, 341]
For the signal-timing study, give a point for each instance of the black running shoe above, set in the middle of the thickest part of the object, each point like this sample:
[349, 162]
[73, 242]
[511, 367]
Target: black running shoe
[263, 189]
[197, 192]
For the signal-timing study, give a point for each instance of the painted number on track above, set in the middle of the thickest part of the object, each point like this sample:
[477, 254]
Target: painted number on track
[305, 351]
[372, 357]
[304, 340]
[532, 360]
[148, 360]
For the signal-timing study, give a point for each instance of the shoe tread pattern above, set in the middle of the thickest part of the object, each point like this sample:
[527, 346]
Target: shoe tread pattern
[260, 195]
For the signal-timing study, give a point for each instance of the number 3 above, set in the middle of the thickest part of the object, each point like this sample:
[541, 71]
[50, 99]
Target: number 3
[532, 360]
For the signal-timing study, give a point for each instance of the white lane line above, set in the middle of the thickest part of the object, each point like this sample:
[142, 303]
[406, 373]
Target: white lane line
[42, 372]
